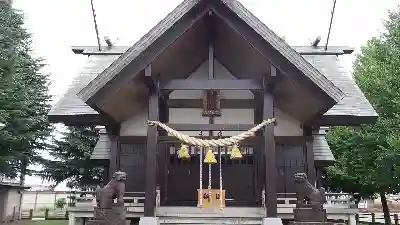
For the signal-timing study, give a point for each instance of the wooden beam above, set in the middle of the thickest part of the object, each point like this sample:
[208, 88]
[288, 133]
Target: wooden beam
[152, 80]
[270, 158]
[211, 85]
[225, 103]
[302, 50]
[342, 120]
[288, 140]
[210, 127]
[151, 156]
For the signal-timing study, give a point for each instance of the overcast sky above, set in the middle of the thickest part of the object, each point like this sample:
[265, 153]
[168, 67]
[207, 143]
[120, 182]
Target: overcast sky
[57, 25]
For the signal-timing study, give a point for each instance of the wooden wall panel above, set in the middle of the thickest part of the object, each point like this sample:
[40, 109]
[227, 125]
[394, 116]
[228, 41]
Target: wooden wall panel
[291, 159]
[132, 161]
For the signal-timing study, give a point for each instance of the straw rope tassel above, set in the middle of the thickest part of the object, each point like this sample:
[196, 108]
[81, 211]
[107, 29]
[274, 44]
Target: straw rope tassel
[213, 142]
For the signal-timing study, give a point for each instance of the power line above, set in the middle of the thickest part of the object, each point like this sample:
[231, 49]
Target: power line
[95, 25]
[330, 25]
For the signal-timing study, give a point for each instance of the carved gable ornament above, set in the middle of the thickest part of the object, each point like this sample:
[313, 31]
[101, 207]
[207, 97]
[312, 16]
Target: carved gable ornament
[211, 103]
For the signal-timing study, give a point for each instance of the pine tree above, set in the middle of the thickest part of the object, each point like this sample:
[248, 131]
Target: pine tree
[24, 98]
[72, 159]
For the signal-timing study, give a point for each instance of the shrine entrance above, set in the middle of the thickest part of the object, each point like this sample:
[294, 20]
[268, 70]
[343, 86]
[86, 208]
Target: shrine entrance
[183, 176]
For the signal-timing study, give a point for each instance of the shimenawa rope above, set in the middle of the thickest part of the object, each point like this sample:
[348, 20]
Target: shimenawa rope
[213, 142]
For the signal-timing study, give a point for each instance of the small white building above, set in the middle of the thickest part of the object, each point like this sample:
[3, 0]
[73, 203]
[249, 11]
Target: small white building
[10, 201]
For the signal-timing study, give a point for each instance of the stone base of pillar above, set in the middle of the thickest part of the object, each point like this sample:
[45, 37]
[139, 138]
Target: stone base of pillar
[272, 221]
[149, 221]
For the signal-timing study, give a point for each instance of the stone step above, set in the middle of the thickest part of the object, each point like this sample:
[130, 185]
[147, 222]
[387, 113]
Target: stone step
[209, 221]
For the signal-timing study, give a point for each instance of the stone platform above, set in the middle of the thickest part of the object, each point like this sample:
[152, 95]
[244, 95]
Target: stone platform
[309, 216]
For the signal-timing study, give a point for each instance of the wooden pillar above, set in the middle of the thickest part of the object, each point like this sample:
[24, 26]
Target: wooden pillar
[162, 152]
[311, 173]
[269, 147]
[259, 150]
[151, 152]
[114, 155]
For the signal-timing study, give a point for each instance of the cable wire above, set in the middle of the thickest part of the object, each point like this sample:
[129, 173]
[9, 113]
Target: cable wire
[330, 25]
[95, 25]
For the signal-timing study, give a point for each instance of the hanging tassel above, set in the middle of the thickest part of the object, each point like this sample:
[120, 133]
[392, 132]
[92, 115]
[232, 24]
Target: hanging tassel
[235, 153]
[183, 152]
[210, 157]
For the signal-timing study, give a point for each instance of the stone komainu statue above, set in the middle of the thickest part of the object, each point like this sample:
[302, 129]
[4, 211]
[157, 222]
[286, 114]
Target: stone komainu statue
[115, 189]
[306, 191]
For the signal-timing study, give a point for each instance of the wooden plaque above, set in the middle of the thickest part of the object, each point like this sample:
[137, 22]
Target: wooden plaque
[213, 201]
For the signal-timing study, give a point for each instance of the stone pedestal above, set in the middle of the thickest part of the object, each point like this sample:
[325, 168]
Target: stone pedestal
[111, 216]
[309, 216]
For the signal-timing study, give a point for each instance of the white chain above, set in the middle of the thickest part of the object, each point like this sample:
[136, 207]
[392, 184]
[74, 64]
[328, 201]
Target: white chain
[209, 183]
[201, 178]
[220, 178]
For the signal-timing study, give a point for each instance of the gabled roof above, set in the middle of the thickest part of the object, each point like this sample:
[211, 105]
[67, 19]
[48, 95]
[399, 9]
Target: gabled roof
[138, 49]
[353, 106]
[70, 104]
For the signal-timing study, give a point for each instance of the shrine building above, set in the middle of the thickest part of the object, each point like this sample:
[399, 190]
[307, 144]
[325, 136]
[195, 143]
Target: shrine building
[213, 70]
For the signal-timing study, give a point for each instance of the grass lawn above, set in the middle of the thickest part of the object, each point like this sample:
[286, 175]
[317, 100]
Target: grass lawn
[44, 222]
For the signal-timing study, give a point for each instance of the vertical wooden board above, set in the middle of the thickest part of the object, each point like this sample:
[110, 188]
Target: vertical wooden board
[281, 169]
[182, 177]
[295, 163]
[133, 163]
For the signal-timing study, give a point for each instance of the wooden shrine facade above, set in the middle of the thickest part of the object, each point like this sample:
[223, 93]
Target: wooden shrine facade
[209, 69]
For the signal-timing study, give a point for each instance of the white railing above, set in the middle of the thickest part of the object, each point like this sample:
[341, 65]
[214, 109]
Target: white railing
[285, 200]
[340, 200]
[131, 199]
[87, 200]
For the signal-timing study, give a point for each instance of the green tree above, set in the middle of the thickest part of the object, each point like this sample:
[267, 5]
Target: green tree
[24, 98]
[368, 157]
[72, 159]
[60, 203]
